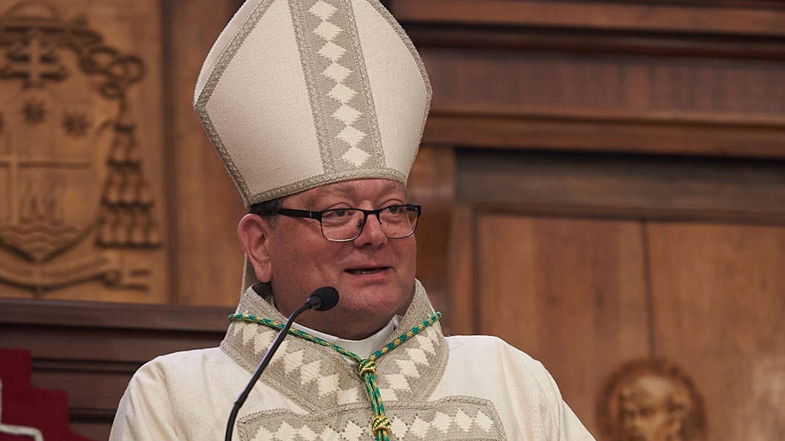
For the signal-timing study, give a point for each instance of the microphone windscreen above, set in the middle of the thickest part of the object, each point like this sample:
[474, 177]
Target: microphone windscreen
[328, 297]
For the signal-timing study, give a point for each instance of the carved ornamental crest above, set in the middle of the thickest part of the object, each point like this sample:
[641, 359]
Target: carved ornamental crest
[72, 186]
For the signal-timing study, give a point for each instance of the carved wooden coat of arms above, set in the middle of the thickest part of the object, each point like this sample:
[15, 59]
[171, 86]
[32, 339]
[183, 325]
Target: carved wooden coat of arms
[75, 203]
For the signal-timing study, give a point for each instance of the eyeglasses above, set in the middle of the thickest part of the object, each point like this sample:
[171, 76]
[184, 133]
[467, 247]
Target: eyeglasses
[346, 224]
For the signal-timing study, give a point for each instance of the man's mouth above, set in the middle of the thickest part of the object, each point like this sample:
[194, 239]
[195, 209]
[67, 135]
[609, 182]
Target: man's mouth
[368, 270]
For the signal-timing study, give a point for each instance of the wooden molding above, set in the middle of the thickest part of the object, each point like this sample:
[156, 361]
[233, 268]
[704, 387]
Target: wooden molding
[699, 137]
[614, 186]
[98, 315]
[600, 15]
[484, 37]
[91, 349]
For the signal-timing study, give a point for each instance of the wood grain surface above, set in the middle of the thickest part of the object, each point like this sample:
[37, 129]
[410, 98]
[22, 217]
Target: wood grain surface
[718, 307]
[699, 17]
[206, 206]
[569, 292]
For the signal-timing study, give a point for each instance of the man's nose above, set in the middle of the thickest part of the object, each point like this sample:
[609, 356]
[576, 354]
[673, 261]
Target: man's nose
[372, 232]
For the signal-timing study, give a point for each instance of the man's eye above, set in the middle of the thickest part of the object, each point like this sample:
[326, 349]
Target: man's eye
[395, 209]
[337, 213]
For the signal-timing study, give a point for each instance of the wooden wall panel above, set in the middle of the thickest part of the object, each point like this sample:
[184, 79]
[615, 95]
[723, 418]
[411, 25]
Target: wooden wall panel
[206, 205]
[698, 243]
[677, 78]
[431, 184]
[629, 86]
[719, 310]
[462, 261]
[569, 292]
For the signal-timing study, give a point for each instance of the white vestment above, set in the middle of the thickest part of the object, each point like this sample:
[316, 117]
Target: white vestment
[432, 387]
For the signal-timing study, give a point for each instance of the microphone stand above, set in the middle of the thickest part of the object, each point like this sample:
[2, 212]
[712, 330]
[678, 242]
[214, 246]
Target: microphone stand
[320, 300]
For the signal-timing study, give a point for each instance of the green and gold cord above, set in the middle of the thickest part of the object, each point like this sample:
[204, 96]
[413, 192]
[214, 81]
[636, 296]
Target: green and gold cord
[381, 425]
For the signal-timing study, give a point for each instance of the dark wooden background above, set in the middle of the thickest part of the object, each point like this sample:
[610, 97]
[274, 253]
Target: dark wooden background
[604, 181]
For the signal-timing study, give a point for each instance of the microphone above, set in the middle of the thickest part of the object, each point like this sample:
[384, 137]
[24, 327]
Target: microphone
[321, 299]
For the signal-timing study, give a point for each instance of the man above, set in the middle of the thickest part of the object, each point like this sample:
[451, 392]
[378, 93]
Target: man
[317, 109]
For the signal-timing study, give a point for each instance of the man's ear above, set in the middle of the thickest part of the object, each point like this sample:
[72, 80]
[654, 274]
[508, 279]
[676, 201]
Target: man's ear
[254, 233]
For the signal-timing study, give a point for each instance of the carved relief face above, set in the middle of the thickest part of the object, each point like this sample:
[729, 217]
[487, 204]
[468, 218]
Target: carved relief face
[646, 412]
[651, 400]
[53, 140]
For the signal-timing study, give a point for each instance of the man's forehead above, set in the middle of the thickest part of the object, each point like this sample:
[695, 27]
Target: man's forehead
[353, 189]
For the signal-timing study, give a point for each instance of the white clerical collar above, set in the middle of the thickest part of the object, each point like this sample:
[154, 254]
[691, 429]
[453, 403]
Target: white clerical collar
[362, 348]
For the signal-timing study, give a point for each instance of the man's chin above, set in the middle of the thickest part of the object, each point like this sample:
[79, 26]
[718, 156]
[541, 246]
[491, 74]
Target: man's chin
[371, 303]
[383, 299]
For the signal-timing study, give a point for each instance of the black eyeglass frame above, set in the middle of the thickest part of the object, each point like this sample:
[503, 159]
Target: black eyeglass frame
[309, 214]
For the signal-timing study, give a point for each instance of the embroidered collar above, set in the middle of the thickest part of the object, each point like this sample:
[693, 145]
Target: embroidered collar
[381, 425]
[317, 377]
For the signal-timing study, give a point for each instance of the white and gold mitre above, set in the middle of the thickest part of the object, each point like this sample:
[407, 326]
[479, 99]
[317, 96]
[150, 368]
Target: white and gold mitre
[299, 93]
